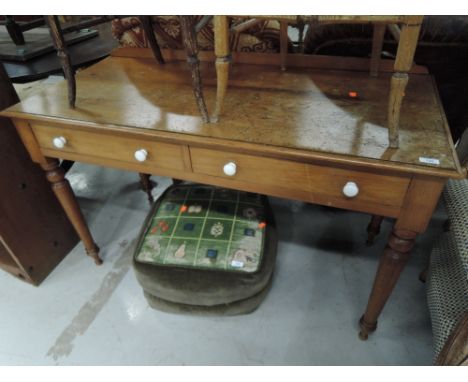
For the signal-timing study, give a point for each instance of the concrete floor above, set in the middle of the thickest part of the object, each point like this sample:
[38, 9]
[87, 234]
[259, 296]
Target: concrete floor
[88, 315]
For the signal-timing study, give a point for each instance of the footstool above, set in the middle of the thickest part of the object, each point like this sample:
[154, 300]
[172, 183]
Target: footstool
[206, 250]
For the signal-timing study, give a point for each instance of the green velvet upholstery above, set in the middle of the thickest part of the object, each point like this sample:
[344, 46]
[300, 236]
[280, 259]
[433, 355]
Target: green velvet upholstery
[202, 290]
[244, 306]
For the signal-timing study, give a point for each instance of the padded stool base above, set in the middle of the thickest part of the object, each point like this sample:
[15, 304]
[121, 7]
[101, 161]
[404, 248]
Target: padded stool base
[244, 306]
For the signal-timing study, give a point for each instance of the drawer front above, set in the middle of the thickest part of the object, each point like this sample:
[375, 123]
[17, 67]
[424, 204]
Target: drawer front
[118, 148]
[251, 169]
[326, 183]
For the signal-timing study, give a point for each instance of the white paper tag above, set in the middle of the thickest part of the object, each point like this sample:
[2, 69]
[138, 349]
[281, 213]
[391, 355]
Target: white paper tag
[237, 264]
[429, 160]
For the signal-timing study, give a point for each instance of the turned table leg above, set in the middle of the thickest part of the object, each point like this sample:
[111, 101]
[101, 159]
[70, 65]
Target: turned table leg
[56, 176]
[373, 229]
[392, 262]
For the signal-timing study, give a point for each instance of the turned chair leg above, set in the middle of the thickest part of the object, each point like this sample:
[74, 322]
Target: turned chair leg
[373, 229]
[147, 186]
[403, 62]
[223, 59]
[62, 52]
[147, 25]
[190, 43]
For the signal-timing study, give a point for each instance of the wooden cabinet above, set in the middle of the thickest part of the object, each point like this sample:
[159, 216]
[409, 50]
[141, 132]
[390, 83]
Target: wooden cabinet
[35, 233]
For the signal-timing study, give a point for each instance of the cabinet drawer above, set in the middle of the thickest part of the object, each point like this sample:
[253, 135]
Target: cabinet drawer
[251, 169]
[118, 148]
[325, 184]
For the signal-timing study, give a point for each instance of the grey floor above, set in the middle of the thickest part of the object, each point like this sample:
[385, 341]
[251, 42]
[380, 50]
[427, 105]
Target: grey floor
[87, 315]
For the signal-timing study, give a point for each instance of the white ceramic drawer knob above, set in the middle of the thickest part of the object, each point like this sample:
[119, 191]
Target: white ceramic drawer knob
[141, 155]
[59, 142]
[230, 169]
[350, 189]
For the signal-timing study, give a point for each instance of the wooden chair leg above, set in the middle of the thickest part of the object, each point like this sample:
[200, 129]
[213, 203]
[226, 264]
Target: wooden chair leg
[283, 44]
[62, 52]
[14, 30]
[377, 44]
[190, 43]
[223, 59]
[373, 229]
[147, 186]
[147, 25]
[404, 60]
[300, 27]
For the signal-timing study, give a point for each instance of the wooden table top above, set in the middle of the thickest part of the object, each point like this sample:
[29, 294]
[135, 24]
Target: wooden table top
[305, 111]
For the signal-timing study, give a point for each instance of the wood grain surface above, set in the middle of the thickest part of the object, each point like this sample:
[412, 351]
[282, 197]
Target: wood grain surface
[308, 112]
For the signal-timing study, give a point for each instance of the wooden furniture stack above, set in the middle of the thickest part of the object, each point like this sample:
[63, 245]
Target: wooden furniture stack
[295, 134]
[410, 27]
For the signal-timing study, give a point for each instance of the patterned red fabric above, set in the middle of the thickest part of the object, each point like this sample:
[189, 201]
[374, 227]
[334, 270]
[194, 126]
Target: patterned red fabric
[263, 37]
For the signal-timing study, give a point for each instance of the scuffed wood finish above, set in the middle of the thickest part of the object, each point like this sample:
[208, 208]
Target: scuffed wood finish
[64, 193]
[377, 44]
[323, 122]
[62, 53]
[223, 59]
[147, 24]
[190, 43]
